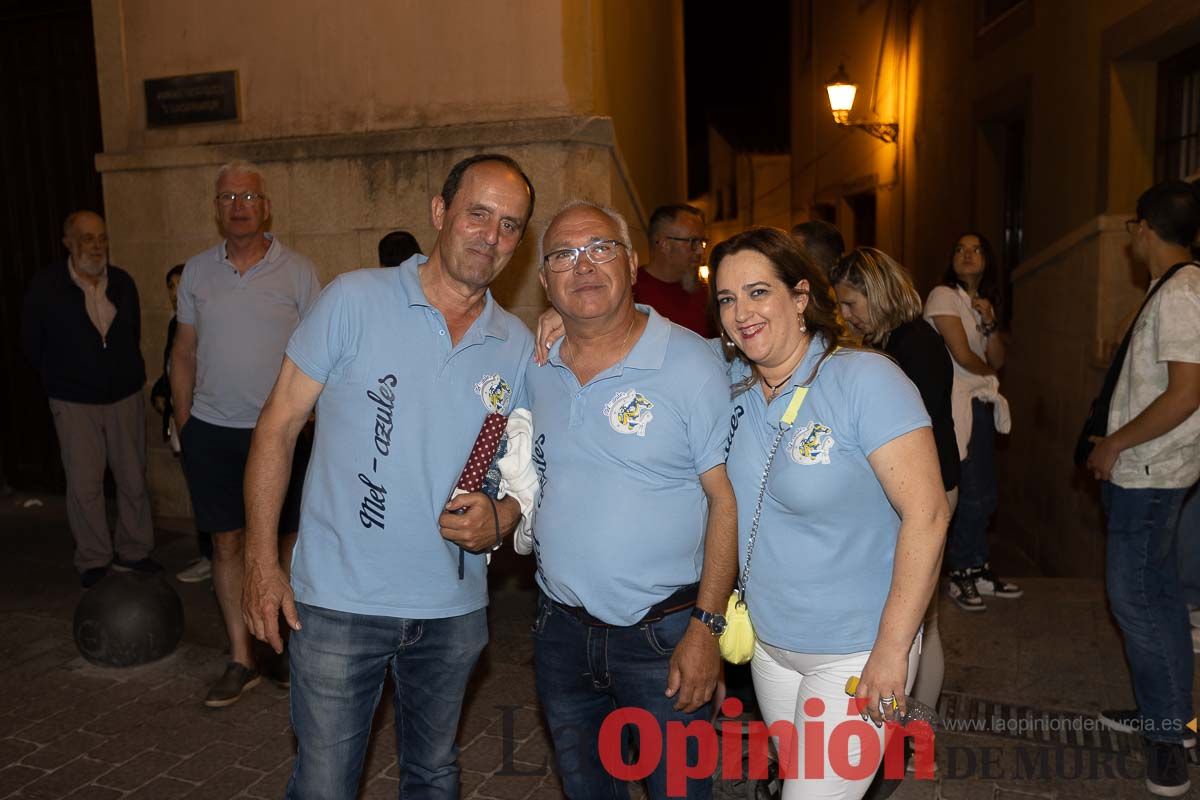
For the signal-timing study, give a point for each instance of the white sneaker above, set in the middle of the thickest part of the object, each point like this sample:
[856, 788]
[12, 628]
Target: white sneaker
[199, 570]
[989, 585]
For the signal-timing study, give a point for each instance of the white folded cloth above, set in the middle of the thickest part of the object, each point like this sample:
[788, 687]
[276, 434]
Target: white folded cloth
[968, 387]
[518, 476]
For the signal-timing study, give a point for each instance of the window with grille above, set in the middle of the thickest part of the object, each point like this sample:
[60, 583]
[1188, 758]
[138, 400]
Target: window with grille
[1177, 149]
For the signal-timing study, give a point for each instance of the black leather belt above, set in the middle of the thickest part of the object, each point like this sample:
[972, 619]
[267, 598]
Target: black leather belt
[682, 599]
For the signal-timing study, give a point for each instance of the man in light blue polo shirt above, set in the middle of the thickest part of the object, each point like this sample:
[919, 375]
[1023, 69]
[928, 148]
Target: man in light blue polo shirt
[238, 304]
[635, 534]
[403, 366]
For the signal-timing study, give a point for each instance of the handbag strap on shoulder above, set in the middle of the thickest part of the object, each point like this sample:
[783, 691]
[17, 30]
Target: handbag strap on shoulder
[785, 424]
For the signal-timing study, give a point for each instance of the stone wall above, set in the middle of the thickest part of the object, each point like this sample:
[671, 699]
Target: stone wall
[1081, 74]
[314, 68]
[1070, 304]
[356, 111]
[332, 199]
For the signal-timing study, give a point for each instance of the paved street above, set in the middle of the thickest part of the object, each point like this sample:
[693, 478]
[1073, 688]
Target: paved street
[70, 729]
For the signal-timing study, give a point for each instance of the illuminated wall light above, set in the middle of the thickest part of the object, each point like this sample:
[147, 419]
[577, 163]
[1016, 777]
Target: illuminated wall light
[841, 91]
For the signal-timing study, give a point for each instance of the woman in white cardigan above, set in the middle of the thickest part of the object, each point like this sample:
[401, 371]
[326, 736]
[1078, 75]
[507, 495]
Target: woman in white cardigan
[966, 311]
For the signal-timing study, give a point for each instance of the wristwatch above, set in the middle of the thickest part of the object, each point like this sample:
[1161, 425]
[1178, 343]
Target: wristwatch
[714, 622]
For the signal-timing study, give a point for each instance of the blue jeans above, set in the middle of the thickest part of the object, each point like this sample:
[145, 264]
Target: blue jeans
[584, 673]
[1142, 577]
[339, 662]
[967, 545]
[1189, 547]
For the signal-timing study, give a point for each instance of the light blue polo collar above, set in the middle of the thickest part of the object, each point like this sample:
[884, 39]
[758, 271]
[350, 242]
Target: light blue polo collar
[491, 322]
[649, 352]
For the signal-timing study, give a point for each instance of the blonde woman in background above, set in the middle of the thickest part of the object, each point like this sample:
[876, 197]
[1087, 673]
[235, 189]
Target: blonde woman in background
[880, 304]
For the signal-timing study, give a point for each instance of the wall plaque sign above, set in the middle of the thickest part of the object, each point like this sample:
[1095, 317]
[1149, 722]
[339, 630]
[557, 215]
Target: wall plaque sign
[188, 99]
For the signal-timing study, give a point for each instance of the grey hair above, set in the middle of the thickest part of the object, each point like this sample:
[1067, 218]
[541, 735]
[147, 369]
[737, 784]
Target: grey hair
[240, 167]
[611, 213]
[73, 217]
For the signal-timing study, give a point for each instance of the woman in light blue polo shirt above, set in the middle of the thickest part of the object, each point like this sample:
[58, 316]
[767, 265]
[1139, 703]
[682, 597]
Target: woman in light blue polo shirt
[848, 500]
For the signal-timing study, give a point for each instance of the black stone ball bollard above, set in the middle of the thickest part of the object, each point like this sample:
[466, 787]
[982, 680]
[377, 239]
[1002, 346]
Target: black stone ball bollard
[128, 619]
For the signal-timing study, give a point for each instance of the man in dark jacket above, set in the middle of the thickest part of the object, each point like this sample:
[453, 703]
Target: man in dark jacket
[81, 328]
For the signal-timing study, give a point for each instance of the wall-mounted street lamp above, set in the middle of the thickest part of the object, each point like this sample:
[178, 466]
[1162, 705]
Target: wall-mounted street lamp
[841, 92]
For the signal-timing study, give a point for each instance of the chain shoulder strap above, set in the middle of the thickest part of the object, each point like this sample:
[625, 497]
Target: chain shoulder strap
[785, 424]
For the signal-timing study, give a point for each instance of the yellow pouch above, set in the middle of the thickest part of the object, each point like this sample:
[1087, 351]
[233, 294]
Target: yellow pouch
[737, 642]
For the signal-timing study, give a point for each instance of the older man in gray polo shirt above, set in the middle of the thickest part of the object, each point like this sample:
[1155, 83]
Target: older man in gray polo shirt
[238, 305]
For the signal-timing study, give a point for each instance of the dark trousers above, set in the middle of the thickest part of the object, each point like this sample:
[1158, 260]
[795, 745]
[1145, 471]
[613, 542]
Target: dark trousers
[584, 674]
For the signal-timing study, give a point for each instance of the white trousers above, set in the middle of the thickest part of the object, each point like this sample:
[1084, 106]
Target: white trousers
[785, 683]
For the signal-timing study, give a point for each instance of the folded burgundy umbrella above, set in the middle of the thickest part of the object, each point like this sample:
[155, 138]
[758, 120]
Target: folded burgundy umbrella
[482, 459]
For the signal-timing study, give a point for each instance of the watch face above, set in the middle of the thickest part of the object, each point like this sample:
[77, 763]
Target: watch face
[714, 622]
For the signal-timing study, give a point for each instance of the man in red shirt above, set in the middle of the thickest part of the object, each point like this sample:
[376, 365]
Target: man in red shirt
[670, 283]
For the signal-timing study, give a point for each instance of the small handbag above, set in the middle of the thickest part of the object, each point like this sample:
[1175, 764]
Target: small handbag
[737, 642]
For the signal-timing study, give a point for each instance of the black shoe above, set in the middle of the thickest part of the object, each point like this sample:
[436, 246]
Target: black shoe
[229, 687]
[90, 577]
[147, 565]
[964, 592]
[1166, 769]
[1125, 720]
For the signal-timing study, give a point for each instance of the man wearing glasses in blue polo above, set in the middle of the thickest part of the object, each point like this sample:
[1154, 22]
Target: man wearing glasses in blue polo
[635, 533]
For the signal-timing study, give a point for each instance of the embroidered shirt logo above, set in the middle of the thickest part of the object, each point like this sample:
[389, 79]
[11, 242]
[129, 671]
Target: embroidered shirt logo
[629, 412]
[495, 392]
[812, 444]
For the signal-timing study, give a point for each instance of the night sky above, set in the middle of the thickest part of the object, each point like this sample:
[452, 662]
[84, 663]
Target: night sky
[736, 65]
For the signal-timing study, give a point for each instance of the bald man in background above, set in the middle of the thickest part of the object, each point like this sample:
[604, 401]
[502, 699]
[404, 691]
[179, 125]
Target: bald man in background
[81, 329]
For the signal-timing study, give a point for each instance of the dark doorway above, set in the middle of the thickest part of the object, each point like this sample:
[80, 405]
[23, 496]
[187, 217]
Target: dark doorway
[49, 137]
[1002, 179]
[826, 212]
[862, 208]
[1013, 207]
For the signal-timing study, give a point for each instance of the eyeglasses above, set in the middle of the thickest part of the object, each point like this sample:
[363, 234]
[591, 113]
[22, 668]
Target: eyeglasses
[227, 198]
[1131, 225]
[694, 242]
[596, 252]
